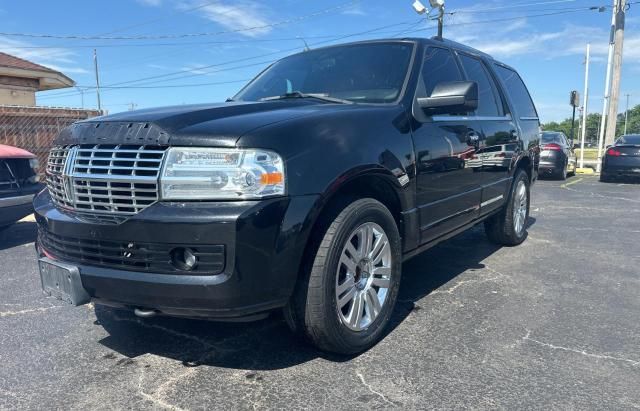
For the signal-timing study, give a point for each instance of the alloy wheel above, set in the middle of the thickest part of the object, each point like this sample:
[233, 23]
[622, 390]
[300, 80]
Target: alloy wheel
[363, 276]
[520, 207]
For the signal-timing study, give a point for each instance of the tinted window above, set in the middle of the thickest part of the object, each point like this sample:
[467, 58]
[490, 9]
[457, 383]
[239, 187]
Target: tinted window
[633, 139]
[487, 105]
[518, 92]
[368, 73]
[552, 138]
[439, 66]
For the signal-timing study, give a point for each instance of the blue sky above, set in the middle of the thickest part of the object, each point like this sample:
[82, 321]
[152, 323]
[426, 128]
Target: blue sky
[243, 36]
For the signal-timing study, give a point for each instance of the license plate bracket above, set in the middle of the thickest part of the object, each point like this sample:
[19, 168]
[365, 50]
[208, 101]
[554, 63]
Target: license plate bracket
[62, 281]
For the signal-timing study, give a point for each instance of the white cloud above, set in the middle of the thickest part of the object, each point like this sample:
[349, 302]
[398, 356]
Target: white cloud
[355, 10]
[239, 15]
[520, 38]
[153, 3]
[56, 58]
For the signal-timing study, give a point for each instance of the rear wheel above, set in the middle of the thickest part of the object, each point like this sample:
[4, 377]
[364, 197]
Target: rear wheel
[345, 302]
[562, 173]
[509, 227]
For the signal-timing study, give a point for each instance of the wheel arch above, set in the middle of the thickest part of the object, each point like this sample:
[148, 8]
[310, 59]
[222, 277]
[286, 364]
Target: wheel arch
[525, 163]
[375, 182]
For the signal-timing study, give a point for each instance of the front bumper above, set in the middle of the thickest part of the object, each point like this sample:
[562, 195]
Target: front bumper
[15, 208]
[263, 243]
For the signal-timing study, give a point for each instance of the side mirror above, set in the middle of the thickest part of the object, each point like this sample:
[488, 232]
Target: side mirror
[451, 97]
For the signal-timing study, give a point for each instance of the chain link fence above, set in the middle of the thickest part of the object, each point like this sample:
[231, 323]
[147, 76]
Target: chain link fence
[34, 128]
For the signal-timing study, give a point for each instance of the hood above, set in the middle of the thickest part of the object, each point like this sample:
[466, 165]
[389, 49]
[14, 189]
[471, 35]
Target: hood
[14, 152]
[204, 124]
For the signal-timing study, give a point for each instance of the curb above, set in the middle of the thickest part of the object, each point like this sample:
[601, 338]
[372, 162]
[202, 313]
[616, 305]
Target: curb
[585, 170]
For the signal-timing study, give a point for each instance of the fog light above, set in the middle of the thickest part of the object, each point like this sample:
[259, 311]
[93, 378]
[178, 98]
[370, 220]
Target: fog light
[184, 259]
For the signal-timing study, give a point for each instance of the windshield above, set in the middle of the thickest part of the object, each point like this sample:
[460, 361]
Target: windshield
[631, 140]
[361, 73]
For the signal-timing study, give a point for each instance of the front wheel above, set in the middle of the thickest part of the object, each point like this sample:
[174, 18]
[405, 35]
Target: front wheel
[509, 227]
[345, 302]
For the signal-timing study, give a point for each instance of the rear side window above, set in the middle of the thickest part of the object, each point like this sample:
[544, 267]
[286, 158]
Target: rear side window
[629, 139]
[487, 103]
[518, 92]
[439, 66]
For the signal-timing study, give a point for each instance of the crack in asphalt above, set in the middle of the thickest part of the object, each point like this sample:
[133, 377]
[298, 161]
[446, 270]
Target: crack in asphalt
[464, 282]
[378, 393]
[527, 337]
[158, 396]
[154, 397]
[498, 275]
[27, 311]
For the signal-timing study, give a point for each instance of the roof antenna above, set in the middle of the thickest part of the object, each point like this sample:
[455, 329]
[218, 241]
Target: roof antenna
[306, 46]
[435, 4]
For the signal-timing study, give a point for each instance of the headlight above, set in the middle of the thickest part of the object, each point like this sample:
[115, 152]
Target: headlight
[221, 174]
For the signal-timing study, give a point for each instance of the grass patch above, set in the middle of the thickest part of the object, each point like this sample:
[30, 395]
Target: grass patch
[589, 153]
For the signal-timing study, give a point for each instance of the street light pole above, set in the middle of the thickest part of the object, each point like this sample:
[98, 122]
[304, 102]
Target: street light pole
[95, 66]
[584, 104]
[607, 88]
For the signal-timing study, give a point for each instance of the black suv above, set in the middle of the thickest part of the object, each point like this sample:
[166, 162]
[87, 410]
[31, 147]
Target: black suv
[306, 191]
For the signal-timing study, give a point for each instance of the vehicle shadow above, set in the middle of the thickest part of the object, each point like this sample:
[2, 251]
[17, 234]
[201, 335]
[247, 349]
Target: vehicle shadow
[18, 234]
[268, 344]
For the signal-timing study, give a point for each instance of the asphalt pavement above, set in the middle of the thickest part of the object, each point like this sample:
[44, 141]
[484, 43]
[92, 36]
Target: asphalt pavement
[553, 323]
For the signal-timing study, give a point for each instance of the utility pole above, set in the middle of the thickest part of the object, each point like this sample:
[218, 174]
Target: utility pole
[95, 66]
[619, 15]
[607, 88]
[585, 103]
[626, 115]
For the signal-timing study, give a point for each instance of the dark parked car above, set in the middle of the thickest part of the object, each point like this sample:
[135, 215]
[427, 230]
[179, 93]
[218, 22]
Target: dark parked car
[18, 184]
[305, 192]
[622, 159]
[557, 158]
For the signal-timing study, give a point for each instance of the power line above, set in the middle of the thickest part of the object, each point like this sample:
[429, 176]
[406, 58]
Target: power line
[568, 11]
[146, 79]
[167, 86]
[512, 6]
[185, 35]
[154, 79]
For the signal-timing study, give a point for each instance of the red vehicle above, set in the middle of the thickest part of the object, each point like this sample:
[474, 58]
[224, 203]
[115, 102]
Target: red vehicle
[18, 184]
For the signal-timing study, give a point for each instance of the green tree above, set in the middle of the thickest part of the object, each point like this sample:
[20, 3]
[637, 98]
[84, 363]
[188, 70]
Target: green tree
[593, 125]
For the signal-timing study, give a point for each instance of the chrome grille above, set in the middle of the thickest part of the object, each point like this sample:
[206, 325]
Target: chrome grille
[104, 182]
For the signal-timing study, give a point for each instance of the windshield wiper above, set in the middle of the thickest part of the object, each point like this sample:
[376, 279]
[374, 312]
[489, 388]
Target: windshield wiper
[299, 94]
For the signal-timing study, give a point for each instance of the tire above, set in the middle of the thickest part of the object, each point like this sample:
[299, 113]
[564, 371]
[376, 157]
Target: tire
[605, 178]
[339, 271]
[562, 173]
[509, 226]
